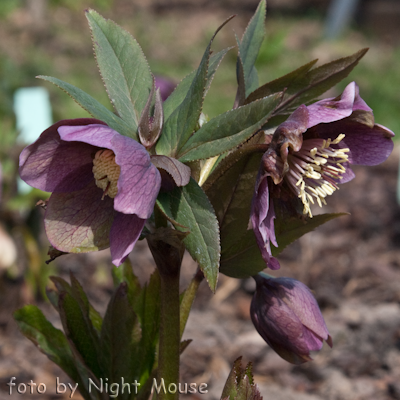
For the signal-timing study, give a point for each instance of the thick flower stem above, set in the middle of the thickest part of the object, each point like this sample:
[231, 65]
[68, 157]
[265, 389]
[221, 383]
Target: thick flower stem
[167, 251]
[168, 357]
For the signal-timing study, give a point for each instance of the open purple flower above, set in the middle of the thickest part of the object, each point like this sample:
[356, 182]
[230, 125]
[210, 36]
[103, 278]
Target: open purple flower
[311, 153]
[104, 186]
[288, 318]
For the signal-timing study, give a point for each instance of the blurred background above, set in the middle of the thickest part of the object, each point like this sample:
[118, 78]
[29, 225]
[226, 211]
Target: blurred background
[352, 264]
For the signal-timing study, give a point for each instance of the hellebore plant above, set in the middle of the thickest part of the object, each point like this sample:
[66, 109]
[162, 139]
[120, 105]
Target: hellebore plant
[227, 190]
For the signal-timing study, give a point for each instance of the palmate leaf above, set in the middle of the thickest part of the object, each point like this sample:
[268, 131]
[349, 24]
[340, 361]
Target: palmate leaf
[50, 341]
[120, 337]
[80, 331]
[181, 123]
[228, 130]
[191, 209]
[123, 67]
[93, 107]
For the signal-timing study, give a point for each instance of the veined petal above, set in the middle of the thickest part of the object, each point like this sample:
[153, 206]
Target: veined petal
[53, 165]
[95, 134]
[79, 221]
[139, 181]
[368, 146]
[304, 305]
[125, 232]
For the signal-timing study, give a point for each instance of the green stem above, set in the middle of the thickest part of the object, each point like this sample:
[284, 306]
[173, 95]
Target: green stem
[168, 357]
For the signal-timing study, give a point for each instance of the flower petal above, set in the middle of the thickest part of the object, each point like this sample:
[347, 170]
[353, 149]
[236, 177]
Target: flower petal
[304, 305]
[262, 217]
[53, 165]
[124, 233]
[95, 134]
[368, 146]
[139, 181]
[336, 108]
[178, 171]
[79, 221]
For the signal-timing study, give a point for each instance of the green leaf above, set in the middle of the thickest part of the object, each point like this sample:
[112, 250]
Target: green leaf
[280, 84]
[77, 292]
[228, 130]
[318, 80]
[243, 259]
[120, 336]
[240, 384]
[249, 46]
[147, 308]
[80, 331]
[124, 274]
[123, 67]
[49, 340]
[289, 229]
[180, 92]
[190, 207]
[231, 195]
[181, 123]
[93, 107]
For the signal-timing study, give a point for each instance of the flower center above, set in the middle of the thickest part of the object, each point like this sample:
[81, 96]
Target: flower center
[106, 172]
[314, 171]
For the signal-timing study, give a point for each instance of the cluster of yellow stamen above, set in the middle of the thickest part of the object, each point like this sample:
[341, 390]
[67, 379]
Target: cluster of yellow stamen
[106, 172]
[315, 169]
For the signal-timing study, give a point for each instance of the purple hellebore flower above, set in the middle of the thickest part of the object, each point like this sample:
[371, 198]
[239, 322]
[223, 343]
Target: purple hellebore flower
[310, 154]
[104, 186]
[288, 318]
[165, 85]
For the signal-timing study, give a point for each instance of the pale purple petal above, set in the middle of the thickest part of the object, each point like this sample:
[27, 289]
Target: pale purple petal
[333, 109]
[359, 103]
[125, 232]
[79, 221]
[94, 134]
[139, 181]
[53, 165]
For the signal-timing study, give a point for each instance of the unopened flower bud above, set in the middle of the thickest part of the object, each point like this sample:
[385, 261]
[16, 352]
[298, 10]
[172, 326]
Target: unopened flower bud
[150, 126]
[288, 318]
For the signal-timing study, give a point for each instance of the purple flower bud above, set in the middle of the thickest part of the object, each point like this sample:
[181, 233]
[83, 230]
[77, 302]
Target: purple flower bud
[288, 318]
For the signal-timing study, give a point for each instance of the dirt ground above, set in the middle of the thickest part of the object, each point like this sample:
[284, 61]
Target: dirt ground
[353, 266]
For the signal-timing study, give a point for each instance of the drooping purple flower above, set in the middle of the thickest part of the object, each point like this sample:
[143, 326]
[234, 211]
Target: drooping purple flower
[311, 153]
[104, 185]
[287, 316]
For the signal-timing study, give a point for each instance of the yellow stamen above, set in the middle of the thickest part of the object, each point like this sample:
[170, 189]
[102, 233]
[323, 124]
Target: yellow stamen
[318, 168]
[106, 172]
